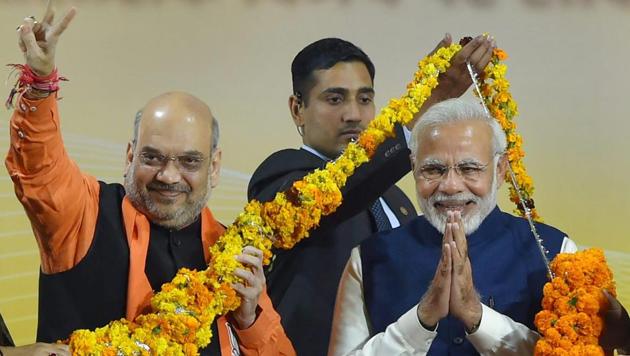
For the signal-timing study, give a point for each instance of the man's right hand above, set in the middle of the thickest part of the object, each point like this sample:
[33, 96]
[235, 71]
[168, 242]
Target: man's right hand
[616, 332]
[434, 305]
[38, 40]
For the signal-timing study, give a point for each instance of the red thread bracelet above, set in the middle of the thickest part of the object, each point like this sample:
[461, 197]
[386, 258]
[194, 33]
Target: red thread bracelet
[30, 80]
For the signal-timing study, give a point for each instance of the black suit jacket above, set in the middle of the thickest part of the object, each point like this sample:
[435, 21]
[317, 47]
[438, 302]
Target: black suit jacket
[302, 282]
[5, 337]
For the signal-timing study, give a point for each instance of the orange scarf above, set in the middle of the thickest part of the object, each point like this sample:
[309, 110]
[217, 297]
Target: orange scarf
[139, 291]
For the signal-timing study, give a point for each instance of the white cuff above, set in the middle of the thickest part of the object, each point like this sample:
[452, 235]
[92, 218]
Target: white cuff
[500, 335]
[413, 332]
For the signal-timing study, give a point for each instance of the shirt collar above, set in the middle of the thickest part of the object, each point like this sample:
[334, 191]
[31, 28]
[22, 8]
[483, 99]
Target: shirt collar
[315, 152]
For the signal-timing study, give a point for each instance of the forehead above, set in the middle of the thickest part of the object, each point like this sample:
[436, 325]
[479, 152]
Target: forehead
[453, 142]
[175, 128]
[350, 75]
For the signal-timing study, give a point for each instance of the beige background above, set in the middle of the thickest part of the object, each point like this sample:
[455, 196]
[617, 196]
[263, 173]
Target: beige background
[568, 67]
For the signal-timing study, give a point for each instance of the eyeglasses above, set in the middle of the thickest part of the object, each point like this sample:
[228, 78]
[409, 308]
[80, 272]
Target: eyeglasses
[468, 171]
[186, 162]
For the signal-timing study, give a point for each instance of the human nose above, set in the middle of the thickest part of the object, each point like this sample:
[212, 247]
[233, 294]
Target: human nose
[169, 173]
[352, 112]
[452, 182]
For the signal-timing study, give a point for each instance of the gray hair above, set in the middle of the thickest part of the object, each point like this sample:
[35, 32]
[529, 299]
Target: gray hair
[456, 110]
[136, 130]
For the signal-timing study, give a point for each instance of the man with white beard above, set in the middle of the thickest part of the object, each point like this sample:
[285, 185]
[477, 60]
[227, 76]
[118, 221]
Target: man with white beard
[463, 279]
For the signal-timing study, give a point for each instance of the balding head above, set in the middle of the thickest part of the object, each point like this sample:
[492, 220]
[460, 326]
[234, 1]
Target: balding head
[172, 160]
[177, 106]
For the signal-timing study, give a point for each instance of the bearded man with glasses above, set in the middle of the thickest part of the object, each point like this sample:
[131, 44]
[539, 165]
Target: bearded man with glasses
[105, 248]
[465, 278]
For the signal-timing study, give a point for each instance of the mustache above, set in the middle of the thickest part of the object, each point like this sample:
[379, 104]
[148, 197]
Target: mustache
[177, 187]
[459, 197]
[352, 126]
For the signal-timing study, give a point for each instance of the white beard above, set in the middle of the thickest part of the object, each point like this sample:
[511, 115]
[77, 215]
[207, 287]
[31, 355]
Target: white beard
[472, 219]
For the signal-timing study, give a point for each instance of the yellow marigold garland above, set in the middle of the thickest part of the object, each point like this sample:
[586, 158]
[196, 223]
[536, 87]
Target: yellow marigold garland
[184, 309]
[503, 108]
[570, 322]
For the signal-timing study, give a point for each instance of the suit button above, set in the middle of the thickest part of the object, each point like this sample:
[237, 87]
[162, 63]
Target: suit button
[458, 340]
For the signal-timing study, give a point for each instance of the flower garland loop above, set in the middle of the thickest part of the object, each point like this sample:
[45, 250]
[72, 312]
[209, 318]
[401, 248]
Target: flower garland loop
[570, 322]
[503, 108]
[185, 308]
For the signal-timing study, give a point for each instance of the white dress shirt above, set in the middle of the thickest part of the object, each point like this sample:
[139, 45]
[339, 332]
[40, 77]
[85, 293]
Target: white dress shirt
[497, 334]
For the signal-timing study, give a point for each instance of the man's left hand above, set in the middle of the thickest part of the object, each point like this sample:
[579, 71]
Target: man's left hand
[251, 288]
[616, 333]
[456, 80]
[464, 302]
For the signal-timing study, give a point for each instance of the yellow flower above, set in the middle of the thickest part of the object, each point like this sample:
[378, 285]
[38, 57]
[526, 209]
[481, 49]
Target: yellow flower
[185, 307]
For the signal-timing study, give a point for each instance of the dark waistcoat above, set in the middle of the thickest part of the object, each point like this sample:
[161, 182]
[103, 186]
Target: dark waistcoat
[508, 272]
[94, 292]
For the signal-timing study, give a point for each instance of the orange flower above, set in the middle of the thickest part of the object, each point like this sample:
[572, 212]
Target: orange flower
[500, 54]
[575, 299]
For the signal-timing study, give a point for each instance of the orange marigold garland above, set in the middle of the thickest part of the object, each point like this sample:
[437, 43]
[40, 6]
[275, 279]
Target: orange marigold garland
[501, 105]
[570, 322]
[185, 308]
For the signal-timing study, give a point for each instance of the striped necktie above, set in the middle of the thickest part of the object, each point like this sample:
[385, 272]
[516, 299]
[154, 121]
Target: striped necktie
[380, 218]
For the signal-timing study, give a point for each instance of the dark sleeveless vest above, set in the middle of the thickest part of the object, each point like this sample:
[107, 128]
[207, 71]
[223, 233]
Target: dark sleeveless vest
[94, 292]
[508, 272]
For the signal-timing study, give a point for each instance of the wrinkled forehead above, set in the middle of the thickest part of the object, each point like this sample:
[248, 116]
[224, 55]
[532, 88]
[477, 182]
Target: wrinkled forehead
[455, 142]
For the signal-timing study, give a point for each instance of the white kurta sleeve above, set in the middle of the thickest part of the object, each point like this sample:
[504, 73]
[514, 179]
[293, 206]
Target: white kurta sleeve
[499, 335]
[568, 246]
[351, 329]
